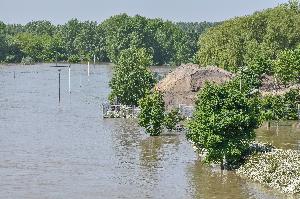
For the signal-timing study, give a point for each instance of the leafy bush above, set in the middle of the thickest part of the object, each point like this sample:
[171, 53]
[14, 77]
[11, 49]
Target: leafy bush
[278, 107]
[172, 119]
[224, 122]
[287, 66]
[151, 116]
[27, 61]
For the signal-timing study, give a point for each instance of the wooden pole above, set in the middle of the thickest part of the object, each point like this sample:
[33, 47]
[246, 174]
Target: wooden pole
[299, 111]
[94, 61]
[88, 68]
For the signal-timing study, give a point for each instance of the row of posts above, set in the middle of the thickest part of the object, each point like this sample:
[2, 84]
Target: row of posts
[59, 70]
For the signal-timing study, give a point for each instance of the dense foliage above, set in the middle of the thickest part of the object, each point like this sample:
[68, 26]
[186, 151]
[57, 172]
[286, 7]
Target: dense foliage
[194, 30]
[166, 42]
[243, 41]
[132, 78]
[171, 119]
[224, 122]
[280, 107]
[287, 66]
[151, 116]
[76, 41]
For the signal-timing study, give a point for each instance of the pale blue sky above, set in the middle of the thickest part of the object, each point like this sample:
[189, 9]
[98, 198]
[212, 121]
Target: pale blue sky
[60, 11]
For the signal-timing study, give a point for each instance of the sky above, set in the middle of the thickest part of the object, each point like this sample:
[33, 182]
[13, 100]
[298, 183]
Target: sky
[60, 11]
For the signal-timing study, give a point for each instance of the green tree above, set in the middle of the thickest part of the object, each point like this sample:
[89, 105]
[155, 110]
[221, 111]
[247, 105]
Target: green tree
[132, 78]
[68, 33]
[3, 43]
[151, 116]
[30, 45]
[224, 122]
[287, 66]
[280, 107]
[233, 44]
[172, 119]
[40, 28]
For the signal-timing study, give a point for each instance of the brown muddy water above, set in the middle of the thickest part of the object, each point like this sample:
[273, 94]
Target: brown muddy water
[58, 151]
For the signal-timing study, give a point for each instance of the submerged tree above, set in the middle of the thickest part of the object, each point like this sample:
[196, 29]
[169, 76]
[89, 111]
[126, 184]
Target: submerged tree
[152, 113]
[132, 78]
[280, 107]
[172, 118]
[224, 122]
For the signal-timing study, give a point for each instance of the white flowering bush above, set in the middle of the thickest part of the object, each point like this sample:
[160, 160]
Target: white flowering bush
[279, 169]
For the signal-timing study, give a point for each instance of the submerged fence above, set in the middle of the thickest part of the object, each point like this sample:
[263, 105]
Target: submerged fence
[124, 111]
[186, 111]
[119, 111]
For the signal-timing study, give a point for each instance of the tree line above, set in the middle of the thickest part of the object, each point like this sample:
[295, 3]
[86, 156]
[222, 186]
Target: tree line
[267, 42]
[75, 41]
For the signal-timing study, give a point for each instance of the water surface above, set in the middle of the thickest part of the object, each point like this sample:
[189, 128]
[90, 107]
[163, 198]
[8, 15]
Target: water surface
[66, 150]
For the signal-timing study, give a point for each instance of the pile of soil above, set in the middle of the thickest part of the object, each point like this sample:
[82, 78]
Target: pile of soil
[181, 85]
[271, 87]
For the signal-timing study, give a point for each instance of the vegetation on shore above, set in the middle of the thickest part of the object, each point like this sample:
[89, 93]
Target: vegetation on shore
[256, 39]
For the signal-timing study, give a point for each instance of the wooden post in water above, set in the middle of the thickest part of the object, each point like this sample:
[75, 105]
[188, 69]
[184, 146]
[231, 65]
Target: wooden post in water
[69, 78]
[80, 80]
[94, 61]
[59, 85]
[88, 68]
[14, 75]
[298, 105]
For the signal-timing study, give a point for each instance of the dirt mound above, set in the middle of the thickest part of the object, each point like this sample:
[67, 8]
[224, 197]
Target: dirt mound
[182, 85]
[271, 87]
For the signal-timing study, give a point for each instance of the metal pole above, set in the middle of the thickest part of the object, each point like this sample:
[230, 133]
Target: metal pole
[70, 79]
[59, 85]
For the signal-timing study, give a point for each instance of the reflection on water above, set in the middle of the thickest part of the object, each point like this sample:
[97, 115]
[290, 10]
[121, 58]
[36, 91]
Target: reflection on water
[212, 183]
[66, 150]
[284, 134]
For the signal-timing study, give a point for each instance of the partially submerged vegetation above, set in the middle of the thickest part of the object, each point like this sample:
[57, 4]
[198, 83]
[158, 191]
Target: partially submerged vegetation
[224, 122]
[228, 108]
[279, 169]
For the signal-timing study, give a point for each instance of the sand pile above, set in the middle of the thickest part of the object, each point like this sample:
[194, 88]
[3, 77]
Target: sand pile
[181, 85]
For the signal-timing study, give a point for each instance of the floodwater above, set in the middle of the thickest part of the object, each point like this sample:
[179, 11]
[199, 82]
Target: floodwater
[52, 150]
